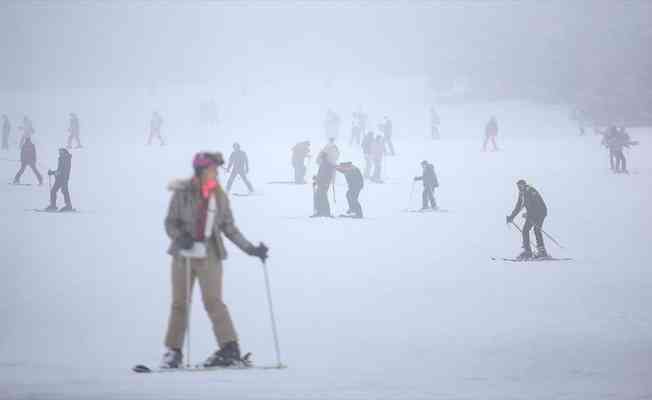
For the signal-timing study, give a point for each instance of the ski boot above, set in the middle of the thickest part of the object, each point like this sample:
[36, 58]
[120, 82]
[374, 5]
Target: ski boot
[541, 253]
[50, 208]
[172, 359]
[67, 207]
[227, 356]
[526, 254]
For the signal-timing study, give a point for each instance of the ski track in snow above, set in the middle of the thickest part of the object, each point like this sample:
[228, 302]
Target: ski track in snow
[396, 306]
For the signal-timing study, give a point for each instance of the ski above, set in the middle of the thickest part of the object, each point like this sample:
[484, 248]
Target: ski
[531, 259]
[42, 210]
[244, 363]
[19, 184]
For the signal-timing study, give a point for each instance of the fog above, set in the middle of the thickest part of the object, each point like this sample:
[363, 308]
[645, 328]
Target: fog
[394, 298]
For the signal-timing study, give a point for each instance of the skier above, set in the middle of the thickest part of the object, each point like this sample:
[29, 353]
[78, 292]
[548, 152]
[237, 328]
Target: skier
[332, 125]
[155, 129]
[356, 132]
[61, 178]
[430, 182]
[377, 154]
[490, 133]
[28, 130]
[355, 183]
[28, 159]
[238, 166]
[198, 214]
[73, 129]
[367, 144]
[434, 123]
[300, 152]
[387, 130]
[616, 140]
[6, 130]
[321, 183]
[536, 212]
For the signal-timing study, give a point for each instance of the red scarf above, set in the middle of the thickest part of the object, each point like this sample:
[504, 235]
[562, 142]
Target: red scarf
[207, 190]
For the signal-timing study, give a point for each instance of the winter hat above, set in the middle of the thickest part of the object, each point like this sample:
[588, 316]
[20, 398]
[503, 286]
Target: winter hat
[521, 182]
[206, 159]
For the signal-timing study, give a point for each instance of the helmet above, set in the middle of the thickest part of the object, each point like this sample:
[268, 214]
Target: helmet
[206, 159]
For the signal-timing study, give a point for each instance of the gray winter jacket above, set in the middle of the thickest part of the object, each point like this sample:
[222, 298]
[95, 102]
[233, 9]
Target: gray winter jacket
[183, 213]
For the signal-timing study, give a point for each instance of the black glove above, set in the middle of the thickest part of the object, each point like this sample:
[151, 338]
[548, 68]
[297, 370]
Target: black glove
[509, 219]
[50, 172]
[259, 251]
[185, 241]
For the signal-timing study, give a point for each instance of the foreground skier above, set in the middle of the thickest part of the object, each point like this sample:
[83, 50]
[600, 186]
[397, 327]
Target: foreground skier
[429, 179]
[198, 215]
[61, 178]
[355, 183]
[536, 212]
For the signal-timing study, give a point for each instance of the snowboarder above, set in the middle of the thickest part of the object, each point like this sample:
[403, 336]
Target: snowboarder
[490, 133]
[238, 166]
[198, 215]
[367, 144]
[387, 130]
[430, 182]
[73, 129]
[28, 159]
[300, 152]
[6, 131]
[434, 123]
[536, 212]
[321, 183]
[355, 183]
[332, 125]
[155, 129]
[61, 178]
[377, 154]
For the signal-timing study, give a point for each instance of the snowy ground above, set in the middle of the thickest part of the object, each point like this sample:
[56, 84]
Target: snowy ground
[399, 305]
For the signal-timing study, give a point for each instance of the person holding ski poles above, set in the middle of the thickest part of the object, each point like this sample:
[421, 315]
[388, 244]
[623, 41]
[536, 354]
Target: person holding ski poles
[536, 211]
[429, 179]
[198, 215]
[61, 178]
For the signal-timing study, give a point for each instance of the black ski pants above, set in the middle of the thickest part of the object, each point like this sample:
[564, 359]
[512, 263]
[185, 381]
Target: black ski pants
[24, 165]
[63, 185]
[536, 222]
[620, 161]
[243, 175]
[428, 197]
[352, 196]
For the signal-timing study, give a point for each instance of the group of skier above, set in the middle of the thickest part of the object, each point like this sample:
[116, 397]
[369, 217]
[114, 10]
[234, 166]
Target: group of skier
[616, 139]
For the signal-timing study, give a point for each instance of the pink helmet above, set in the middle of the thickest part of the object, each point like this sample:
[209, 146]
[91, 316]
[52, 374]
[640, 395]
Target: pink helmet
[205, 159]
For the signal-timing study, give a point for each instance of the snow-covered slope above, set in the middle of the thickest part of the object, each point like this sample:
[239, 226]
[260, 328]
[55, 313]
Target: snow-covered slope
[399, 305]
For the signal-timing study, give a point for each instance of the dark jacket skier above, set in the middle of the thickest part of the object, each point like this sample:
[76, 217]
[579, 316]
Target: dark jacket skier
[490, 133]
[536, 212]
[430, 182]
[238, 166]
[61, 178]
[355, 183]
[321, 183]
[28, 159]
[616, 140]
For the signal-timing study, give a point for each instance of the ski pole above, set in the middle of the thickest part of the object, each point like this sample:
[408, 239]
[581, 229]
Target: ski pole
[277, 348]
[517, 227]
[188, 309]
[552, 239]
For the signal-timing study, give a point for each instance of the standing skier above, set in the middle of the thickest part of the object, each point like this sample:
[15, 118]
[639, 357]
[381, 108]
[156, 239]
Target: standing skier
[387, 130]
[536, 212]
[490, 133]
[616, 140]
[6, 130]
[367, 144]
[434, 123]
[198, 215]
[377, 154]
[300, 152]
[321, 183]
[61, 178]
[355, 183]
[332, 151]
[238, 166]
[155, 129]
[27, 129]
[28, 159]
[73, 130]
[430, 182]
